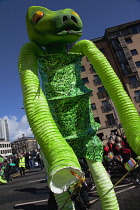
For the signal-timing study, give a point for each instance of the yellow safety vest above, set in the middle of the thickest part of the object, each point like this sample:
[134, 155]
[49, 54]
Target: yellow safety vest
[22, 162]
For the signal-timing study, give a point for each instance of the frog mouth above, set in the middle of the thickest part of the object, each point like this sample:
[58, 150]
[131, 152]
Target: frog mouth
[69, 31]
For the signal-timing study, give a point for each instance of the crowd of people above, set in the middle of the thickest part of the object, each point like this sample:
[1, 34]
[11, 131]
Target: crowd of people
[117, 153]
[18, 163]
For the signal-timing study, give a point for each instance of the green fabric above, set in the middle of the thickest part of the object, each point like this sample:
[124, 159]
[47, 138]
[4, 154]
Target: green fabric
[69, 103]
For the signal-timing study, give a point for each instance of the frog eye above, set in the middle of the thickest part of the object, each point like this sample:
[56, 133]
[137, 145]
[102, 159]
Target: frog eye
[37, 16]
[74, 13]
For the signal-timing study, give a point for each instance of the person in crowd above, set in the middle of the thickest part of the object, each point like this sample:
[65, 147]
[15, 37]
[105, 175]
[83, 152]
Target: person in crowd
[111, 142]
[39, 159]
[27, 160]
[31, 160]
[10, 168]
[22, 164]
[15, 160]
[108, 155]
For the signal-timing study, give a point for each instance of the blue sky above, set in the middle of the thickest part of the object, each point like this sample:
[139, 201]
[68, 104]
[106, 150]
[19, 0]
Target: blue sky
[96, 16]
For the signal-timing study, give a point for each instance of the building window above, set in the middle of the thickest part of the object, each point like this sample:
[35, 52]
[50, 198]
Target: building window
[125, 31]
[100, 89]
[97, 80]
[110, 120]
[97, 119]
[82, 68]
[128, 40]
[102, 93]
[137, 64]
[116, 44]
[93, 106]
[91, 94]
[121, 56]
[102, 50]
[138, 29]
[126, 68]
[133, 81]
[92, 70]
[85, 80]
[134, 52]
[135, 29]
[137, 96]
[106, 106]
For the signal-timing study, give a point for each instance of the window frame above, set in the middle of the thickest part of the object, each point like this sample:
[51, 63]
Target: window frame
[86, 82]
[134, 50]
[137, 64]
[127, 40]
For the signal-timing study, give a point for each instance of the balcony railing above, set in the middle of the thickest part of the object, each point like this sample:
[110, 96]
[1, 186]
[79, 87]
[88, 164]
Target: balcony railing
[97, 82]
[128, 72]
[102, 94]
[106, 108]
[137, 98]
[134, 84]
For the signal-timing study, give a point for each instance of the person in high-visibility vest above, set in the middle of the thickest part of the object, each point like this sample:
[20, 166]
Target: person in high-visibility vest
[22, 165]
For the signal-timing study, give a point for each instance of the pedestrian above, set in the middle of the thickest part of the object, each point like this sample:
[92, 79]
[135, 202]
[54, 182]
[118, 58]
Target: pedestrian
[39, 159]
[31, 160]
[22, 165]
[16, 162]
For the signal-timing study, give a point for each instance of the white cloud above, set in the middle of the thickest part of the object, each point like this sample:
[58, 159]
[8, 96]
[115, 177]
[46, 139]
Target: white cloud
[18, 127]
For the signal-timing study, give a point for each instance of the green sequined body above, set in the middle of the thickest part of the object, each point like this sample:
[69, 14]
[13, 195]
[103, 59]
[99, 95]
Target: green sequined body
[69, 104]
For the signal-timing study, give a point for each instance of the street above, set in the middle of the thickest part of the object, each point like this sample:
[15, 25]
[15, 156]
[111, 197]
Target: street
[31, 193]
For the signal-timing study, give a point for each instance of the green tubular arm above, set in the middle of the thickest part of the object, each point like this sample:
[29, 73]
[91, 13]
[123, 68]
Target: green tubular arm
[124, 106]
[103, 185]
[42, 124]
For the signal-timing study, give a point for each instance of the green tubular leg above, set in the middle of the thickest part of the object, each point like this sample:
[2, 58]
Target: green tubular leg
[43, 126]
[123, 104]
[61, 198]
[103, 185]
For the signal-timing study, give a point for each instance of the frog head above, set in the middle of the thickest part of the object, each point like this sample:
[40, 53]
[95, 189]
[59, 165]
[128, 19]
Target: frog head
[46, 27]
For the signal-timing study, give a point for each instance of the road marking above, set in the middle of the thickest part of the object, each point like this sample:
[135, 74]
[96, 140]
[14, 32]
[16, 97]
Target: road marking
[129, 188]
[21, 204]
[123, 185]
[38, 180]
[15, 175]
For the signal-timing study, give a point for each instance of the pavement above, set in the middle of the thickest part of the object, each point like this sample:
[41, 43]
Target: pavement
[31, 192]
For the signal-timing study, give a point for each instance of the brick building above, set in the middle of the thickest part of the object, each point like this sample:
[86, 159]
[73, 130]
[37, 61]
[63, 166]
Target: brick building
[24, 145]
[121, 46]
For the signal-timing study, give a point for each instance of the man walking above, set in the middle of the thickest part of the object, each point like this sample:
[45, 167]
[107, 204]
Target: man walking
[22, 165]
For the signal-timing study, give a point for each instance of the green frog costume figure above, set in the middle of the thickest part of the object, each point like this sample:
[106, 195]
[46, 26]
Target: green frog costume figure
[58, 110]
